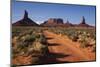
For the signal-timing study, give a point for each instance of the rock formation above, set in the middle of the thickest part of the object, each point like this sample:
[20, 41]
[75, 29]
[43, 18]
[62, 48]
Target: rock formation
[25, 21]
[53, 22]
[68, 24]
[83, 23]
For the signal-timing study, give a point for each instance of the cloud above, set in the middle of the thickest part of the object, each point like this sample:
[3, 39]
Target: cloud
[39, 22]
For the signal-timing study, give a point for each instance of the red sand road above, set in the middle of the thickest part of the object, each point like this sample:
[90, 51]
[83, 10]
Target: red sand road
[67, 47]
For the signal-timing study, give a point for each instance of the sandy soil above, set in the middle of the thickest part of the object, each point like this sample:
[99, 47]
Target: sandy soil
[61, 49]
[68, 50]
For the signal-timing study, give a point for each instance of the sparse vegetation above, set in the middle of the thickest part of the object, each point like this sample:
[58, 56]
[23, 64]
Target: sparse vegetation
[29, 43]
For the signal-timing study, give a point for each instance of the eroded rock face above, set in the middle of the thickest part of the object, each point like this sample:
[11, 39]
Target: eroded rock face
[83, 23]
[83, 20]
[68, 24]
[26, 21]
[58, 22]
[53, 22]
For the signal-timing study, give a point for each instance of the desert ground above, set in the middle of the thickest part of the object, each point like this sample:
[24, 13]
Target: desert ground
[44, 45]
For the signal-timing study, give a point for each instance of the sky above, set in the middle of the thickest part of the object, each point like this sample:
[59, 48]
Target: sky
[40, 12]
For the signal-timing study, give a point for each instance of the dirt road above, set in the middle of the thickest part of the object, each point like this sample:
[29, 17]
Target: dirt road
[65, 50]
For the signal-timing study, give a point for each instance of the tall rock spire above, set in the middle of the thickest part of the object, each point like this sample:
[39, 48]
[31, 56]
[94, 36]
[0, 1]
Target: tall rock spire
[25, 21]
[83, 20]
[83, 23]
[25, 14]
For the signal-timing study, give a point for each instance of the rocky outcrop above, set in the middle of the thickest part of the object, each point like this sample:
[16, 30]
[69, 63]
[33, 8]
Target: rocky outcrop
[83, 23]
[68, 24]
[25, 21]
[53, 22]
[58, 22]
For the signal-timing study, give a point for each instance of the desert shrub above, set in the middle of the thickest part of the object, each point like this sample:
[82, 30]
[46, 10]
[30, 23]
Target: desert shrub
[93, 35]
[30, 38]
[74, 37]
[31, 42]
[84, 42]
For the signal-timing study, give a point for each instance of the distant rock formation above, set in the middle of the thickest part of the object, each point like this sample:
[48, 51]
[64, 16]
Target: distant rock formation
[26, 21]
[68, 24]
[53, 22]
[58, 22]
[83, 23]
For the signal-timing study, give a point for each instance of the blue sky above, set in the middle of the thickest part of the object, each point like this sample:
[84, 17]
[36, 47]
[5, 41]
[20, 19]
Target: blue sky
[39, 12]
